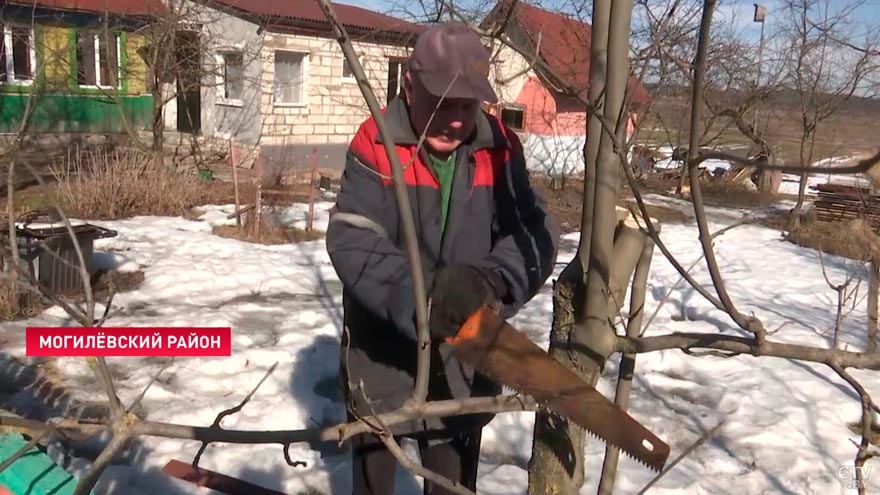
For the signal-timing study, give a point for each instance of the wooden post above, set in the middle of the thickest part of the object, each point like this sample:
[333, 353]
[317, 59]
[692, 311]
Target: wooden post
[314, 172]
[258, 202]
[873, 292]
[235, 183]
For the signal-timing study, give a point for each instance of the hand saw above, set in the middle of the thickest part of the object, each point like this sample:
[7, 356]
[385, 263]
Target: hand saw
[503, 353]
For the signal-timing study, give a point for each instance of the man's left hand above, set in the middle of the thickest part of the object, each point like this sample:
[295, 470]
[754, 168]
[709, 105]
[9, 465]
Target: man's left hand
[459, 290]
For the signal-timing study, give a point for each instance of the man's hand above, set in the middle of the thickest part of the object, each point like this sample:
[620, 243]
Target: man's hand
[459, 290]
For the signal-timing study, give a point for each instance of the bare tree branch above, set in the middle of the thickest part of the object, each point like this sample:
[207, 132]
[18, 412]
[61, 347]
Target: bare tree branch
[231, 411]
[868, 409]
[748, 345]
[420, 392]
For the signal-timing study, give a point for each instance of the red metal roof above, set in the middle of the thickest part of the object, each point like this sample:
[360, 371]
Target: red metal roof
[565, 45]
[119, 7]
[310, 10]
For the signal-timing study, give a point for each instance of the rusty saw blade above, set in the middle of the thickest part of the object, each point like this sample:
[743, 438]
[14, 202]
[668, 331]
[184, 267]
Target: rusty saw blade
[500, 351]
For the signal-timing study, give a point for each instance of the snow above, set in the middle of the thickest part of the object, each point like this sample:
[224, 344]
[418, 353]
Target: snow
[555, 155]
[784, 422]
[791, 182]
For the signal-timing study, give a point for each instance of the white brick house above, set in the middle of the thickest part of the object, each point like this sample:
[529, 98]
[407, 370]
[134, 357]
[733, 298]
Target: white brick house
[280, 84]
[309, 95]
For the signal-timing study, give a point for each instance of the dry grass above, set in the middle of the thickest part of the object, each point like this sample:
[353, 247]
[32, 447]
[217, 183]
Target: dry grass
[565, 205]
[271, 232]
[123, 183]
[737, 195]
[850, 239]
[28, 304]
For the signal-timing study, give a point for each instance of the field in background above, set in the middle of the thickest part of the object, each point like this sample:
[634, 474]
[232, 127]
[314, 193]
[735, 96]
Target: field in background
[850, 131]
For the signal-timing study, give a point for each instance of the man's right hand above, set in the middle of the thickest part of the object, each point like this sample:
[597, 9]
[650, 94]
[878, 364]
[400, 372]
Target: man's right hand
[459, 290]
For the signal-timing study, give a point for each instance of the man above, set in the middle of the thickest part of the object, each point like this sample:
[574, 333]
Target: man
[483, 234]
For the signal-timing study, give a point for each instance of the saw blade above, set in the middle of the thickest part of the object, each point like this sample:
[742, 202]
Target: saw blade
[498, 350]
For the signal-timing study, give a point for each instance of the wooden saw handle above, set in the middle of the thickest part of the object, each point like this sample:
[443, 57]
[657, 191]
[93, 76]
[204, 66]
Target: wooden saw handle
[470, 328]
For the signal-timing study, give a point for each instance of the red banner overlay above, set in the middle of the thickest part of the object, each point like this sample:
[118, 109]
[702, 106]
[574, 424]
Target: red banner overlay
[129, 341]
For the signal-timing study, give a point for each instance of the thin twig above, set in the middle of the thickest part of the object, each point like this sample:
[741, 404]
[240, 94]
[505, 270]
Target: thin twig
[90, 479]
[706, 436]
[420, 391]
[231, 411]
[24, 449]
[116, 410]
[143, 393]
[867, 422]
[385, 435]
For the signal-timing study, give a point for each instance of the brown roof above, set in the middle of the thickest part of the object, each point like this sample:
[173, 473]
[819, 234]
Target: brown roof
[310, 11]
[119, 7]
[565, 44]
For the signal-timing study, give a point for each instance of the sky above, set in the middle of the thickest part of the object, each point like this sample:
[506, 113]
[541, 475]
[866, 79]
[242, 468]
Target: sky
[868, 13]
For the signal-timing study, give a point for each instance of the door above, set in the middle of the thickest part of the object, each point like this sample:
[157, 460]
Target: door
[189, 88]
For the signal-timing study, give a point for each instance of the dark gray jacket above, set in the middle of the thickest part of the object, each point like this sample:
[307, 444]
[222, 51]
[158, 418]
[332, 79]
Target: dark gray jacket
[495, 220]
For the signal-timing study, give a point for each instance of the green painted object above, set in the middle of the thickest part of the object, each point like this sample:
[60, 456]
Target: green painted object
[77, 113]
[33, 473]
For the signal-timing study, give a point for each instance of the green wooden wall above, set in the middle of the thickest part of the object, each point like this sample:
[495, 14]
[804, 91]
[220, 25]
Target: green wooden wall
[60, 105]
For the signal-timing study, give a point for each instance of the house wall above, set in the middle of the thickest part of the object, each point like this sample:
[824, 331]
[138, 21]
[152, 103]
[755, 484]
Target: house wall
[333, 107]
[237, 119]
[61, 106]
[508, 73]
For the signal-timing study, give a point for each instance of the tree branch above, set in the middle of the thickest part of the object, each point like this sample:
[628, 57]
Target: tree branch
[868, 408]
[750, 324]
[420, 391]
[231, 411]
[748, 345]
[339, 433]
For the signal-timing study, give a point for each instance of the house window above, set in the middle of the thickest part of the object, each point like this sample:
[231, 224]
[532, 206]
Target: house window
[348, 71]
[396, 73]
[17, 55]
[97, 59]
[289, 77]
[513, 117]
[231, 75]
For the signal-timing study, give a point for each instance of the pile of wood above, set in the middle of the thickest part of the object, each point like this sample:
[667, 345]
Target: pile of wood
[840, 202]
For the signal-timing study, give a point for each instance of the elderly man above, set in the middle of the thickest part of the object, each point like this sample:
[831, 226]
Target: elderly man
[483, 233]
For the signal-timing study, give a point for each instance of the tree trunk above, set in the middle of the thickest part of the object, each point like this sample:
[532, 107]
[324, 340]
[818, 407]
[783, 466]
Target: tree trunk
[557, 462]
[556, 466]
[769, 181]
[158, 145]
[582, 294]
[641, 240]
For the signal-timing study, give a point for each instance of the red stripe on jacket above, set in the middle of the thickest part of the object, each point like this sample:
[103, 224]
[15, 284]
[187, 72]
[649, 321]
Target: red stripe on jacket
[489, 162]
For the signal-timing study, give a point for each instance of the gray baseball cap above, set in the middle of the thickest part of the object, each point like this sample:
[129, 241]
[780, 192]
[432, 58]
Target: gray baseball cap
[451, 55]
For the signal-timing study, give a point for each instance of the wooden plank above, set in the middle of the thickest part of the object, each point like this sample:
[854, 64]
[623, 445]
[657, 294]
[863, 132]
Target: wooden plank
[214, 480]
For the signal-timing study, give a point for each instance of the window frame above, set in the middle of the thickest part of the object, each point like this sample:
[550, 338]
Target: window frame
[515, 108]
[221, 76]
[9, 61]
[351, 79]
[96, 48]
[304, 85]
[402, 67]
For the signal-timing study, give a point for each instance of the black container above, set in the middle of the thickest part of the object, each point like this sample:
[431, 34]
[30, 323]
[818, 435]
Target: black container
[60, 273]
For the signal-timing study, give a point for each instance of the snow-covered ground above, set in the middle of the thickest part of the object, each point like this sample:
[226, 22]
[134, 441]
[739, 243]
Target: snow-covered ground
[784, 423]
[790, 182]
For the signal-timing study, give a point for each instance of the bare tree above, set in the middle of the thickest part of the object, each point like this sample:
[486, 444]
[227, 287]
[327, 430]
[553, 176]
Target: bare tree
[824, 71]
